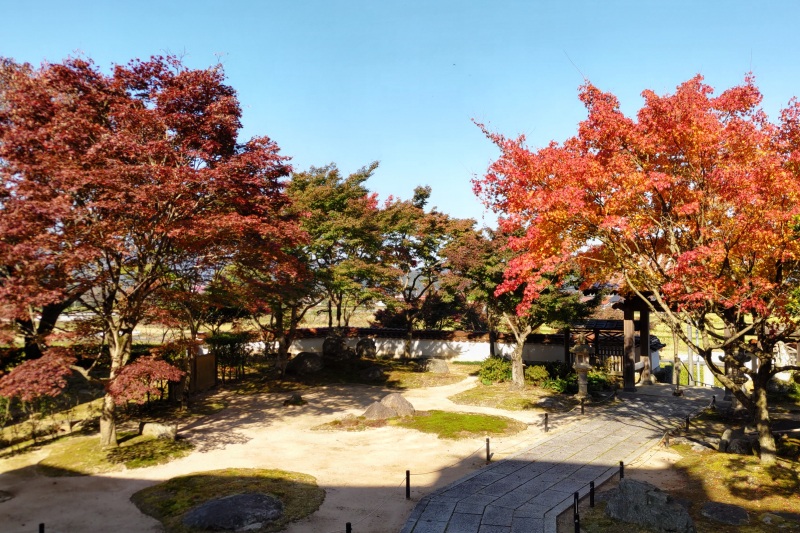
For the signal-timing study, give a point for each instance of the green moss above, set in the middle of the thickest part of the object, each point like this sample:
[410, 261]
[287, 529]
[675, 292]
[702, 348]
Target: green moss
[449, 425]
[169, 501]
[80, 456]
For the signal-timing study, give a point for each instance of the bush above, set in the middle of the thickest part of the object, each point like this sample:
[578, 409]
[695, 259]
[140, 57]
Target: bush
[561, 385]
[598, 380]
[536, 374]
[495, 370]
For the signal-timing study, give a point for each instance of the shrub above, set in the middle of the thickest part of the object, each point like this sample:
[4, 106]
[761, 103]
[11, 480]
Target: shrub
[495, 370]
[536, 374]
[598, 380]
[561, 385]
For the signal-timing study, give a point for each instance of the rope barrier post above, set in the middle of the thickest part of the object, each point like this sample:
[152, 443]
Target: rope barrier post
[41, 528]
[591, 494]
[713, 401]
[666, 439]
[687, 423]
[348, 528]
[577, 514]
[582, 405]
[545, 422]
[488, 453]
[408, 484]
[621, 470]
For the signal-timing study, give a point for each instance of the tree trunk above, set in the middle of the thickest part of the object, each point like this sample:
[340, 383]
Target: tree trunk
[517, 368]
[108, 423]
[120, 353]
[766, 441]
[521, 335]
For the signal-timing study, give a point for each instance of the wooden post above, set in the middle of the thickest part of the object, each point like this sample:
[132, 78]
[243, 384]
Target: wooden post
[644, 345]
[597, 346]
[629, 350]
[567, 342]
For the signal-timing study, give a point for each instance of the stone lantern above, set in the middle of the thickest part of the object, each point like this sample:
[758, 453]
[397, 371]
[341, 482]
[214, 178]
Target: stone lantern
[582, 366]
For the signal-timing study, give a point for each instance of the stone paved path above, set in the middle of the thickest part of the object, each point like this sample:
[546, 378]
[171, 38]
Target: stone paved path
[526, 493]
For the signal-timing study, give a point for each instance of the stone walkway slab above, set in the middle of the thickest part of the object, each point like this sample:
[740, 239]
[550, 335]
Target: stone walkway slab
[527, 492]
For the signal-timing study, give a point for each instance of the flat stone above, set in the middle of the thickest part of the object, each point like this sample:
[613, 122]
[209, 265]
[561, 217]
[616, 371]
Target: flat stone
[725, 513]
[240, 512]
[497, 516]
[461, 522]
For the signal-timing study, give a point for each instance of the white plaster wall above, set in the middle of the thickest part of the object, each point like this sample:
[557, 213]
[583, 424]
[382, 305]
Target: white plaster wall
[464, 351]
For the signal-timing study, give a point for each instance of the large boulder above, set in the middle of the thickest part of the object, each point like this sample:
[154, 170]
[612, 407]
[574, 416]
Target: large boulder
[641, 503]
[399, 404]
[436, 366]
[366, 349]
[240, 512]
[304, 363]
[379, 411]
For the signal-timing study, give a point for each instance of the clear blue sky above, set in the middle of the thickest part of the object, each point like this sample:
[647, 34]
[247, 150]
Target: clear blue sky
[351, 82]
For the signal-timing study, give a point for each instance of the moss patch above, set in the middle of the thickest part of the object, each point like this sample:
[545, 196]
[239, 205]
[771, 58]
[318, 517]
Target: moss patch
[449, 425]
[168, 502]
[81, 456]
[502, 396]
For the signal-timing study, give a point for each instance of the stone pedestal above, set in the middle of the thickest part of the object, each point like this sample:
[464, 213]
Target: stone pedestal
[583, 381]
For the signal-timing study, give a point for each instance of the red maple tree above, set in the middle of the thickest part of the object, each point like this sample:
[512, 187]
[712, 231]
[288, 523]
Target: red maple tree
[693, 206]
[115, 184]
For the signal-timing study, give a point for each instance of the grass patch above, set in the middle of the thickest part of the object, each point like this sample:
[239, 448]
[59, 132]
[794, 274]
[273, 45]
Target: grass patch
[449, 425]
[502, 396]
[169, 501]
[82, 456]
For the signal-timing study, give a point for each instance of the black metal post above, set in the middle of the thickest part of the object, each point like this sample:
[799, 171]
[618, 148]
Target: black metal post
[687, 423]
[488, 453]
[545, 422]
[41, 528]
[348, 528]
[408, 484]
[621, 470]
[582, 405]
[577, 514]
[714, 401]
[591, 494]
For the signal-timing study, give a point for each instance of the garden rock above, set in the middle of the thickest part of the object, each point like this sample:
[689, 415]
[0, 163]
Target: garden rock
[160, 431]
[641, 503]
[372, 373]
[400, 405]
[304, 363]
[5, 496]
[379, 411]
[366, 349]
[725, 513]
[240, 512]
[740, 447]
[294, 399]
[436, 366]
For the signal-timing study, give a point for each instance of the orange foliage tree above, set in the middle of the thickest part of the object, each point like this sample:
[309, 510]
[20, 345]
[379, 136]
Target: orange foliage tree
[692, 205]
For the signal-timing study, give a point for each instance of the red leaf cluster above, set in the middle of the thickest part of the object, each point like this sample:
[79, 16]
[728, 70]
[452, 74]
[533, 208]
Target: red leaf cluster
[45, 376]
[138, 380]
